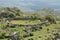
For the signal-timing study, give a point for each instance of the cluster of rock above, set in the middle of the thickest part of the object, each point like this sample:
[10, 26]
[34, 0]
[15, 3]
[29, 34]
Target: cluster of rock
[35, 27]
[56, 36]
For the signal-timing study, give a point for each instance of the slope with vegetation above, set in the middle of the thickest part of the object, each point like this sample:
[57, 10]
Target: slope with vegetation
[45, 28]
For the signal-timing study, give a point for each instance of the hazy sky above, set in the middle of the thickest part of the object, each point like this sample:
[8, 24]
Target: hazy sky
[31, 5]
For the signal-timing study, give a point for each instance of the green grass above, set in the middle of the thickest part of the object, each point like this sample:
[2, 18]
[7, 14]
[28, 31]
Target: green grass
[43, 32]
[25, 22]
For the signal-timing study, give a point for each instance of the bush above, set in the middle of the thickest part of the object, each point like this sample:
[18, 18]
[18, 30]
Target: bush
[2, 36]
[31, 39]
[50, 18]
[10, 12]
[40, 27]
[31, 34]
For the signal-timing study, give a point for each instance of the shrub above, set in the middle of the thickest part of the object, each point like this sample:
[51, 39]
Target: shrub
[31, 39]
[31, 34]
[2, 36]
[50, 18]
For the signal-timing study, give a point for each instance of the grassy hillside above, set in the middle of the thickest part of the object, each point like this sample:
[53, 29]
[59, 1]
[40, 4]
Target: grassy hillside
[37, 29]
[42, 34]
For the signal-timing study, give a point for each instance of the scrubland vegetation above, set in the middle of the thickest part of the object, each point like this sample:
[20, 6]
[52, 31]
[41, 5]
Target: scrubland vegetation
[17, 25]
